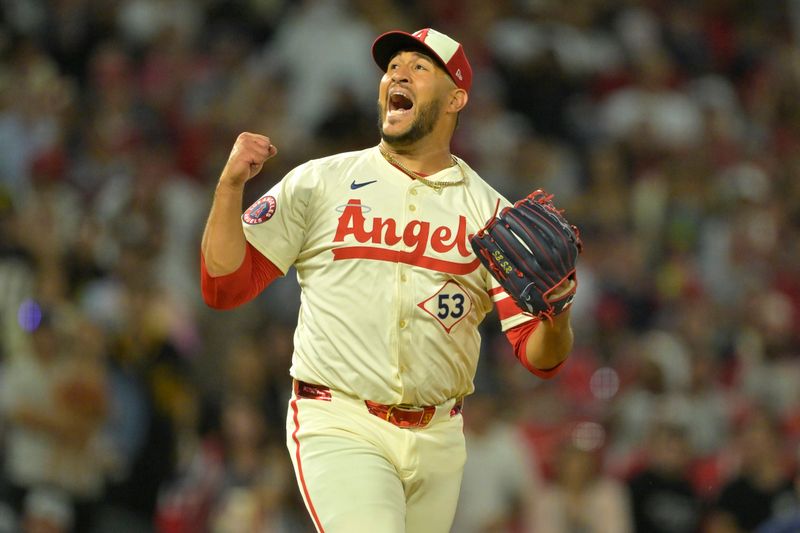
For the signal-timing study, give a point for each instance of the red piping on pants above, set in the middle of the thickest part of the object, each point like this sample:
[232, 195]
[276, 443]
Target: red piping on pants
[300, 468]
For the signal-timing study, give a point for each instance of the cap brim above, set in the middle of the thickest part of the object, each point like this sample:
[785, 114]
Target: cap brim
[387, 45]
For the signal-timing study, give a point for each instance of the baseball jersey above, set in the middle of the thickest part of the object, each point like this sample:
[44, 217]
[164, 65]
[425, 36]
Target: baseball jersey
[391, 292]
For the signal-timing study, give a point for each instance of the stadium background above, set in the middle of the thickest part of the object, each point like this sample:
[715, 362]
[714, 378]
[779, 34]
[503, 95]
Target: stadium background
[669, 130]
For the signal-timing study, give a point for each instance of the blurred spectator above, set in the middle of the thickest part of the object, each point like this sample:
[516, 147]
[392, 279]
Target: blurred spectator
[651, 112]
[53, 396]
[709, 408]
[255, 370]
[762, 488]
[147, 356]
[126, 434]
[788, 519]
[16, 272]
[342, 66]
[494, 133]
[654, 393]
[662, 496]
[581, 497]
[47, 511]
[501, 476]
[186, 499]
[254, 482]
[33, 109]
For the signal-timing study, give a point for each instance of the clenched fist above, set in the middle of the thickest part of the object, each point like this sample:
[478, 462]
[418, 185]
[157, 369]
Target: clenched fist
[249, 153]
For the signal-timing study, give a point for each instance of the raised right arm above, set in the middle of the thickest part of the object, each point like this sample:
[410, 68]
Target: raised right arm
[224, 245]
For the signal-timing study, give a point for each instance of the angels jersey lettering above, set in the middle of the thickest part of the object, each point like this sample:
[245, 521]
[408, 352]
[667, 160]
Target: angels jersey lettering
[417, 235]
[385, 266]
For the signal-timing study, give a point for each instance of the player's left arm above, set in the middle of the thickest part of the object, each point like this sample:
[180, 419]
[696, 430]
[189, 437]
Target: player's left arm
[531, 250]
[541, 346]
[550, 343]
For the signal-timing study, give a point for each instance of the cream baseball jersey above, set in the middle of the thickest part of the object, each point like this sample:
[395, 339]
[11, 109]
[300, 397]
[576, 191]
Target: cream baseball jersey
[392, 293]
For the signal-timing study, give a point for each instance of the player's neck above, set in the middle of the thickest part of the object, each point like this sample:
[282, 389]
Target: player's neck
[424, 160]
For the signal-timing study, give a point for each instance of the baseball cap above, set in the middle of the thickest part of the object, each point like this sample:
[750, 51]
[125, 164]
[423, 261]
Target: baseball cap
[447, 51]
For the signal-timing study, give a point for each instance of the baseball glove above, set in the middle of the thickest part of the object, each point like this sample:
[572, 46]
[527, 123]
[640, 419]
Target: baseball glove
[530, 249]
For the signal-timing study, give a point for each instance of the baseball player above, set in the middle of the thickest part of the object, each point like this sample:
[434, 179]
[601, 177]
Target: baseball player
[387, 341]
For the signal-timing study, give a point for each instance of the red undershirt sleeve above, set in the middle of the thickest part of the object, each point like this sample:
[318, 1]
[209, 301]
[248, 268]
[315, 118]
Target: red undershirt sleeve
[518, 336]
[240, 286]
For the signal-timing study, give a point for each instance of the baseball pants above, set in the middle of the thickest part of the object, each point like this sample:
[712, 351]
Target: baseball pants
[358, 473]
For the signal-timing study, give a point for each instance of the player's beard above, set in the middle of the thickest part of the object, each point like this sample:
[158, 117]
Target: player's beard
[424, 122]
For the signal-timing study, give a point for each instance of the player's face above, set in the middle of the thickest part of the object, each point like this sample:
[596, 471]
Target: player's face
[411, 97]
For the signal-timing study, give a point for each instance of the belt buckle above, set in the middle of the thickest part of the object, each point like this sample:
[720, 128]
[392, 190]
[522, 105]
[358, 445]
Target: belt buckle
[406, 408]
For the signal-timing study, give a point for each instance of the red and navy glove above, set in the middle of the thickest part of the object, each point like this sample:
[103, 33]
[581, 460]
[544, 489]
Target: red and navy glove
[531, 249]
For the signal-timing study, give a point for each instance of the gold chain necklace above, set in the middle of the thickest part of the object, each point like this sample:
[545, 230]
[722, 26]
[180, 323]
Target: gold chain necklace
[435, 185]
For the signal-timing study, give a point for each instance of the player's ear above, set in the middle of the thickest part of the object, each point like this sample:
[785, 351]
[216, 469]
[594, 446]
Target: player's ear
[458, 99]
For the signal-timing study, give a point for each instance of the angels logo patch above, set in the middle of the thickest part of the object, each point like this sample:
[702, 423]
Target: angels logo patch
[261, 211]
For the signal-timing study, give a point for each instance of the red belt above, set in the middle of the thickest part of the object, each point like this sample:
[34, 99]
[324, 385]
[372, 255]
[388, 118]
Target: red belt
[401, 415]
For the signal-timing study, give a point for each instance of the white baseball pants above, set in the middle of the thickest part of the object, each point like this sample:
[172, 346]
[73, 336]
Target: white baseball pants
[360, 474]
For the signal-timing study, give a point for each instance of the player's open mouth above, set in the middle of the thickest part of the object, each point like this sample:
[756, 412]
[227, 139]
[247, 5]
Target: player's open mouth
[400, 102]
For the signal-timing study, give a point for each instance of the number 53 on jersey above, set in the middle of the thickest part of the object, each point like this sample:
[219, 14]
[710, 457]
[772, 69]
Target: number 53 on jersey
[449, 305]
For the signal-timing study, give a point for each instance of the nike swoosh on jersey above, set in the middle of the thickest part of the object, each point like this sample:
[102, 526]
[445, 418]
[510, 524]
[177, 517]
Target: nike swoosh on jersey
[355, 185]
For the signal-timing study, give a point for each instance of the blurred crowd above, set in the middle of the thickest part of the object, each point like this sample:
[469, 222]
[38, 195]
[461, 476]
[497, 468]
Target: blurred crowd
[669, 130]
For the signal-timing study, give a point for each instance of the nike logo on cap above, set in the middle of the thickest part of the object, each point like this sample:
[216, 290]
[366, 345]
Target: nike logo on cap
[355, 185]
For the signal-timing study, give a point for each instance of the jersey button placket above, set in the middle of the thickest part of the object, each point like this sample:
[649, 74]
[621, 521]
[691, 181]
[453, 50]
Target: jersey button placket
[406, 288]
